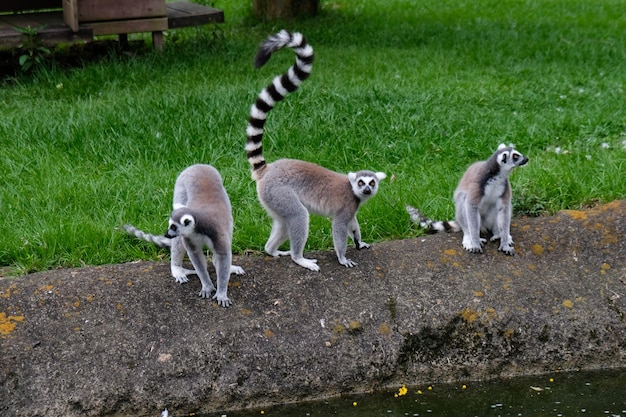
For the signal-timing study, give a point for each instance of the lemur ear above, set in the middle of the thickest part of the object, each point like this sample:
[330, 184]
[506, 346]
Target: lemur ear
[381, 176]
[351, 176]
[501, 146]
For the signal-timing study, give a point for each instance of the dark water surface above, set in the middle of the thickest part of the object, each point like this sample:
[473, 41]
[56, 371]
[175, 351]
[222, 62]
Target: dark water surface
[593, 394]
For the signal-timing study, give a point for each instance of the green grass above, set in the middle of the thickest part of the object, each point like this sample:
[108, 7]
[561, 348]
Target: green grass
[418, 90]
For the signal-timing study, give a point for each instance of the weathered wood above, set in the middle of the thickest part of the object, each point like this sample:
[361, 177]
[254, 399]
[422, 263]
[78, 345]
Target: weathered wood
[127, 26]
[58, 26]
[184, 14]
[70, 14]
[52, 29]
[103, 10]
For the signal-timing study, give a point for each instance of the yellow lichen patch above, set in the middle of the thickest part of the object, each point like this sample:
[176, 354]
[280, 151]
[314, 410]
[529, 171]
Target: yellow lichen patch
[339, 328]
[129, 283]
[608, 238]
[536, 249]
[8, 292]
[604, 267]
[508, 333]
[456, 264]
[469, 315]
[355, 326]
[491, 313]
[234, 284]
[576, 214]
[8, 323]
[568, 304]
[532, 267]
[245, 311]
[450, 252]
[479, 294]
[45, 288]
[430, 264]
[90, 297]
[384, 329]
[268, 333]
[76, 303]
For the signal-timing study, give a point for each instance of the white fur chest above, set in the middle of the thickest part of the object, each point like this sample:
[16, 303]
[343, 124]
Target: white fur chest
[494, 189]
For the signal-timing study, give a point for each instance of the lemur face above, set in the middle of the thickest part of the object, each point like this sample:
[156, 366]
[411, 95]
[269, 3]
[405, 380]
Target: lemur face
[184, 227]
[365, 183]
[509, 158]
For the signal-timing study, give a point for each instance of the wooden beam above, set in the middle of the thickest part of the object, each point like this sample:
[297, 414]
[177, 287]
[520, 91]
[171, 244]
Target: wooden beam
[127, 26]
[184, 14]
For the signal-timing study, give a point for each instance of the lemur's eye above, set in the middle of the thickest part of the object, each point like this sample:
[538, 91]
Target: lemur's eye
[372, 183]
[515, 156]
[174, 227]
[361, 183]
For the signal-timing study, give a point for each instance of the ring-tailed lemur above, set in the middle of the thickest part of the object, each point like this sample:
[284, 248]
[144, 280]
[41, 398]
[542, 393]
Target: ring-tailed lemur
[291, 189]
[201, 217]
[483, 202]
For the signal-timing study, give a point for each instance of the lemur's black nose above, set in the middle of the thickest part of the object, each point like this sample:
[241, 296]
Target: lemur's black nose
[367, 190]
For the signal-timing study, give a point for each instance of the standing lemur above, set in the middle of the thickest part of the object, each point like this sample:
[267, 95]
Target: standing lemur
[483, 202]
[291, 189]
[201, 217]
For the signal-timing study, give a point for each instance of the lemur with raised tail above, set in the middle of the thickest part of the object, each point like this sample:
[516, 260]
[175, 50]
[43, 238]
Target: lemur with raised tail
[290, 189]
[483, 202]
[202, 216]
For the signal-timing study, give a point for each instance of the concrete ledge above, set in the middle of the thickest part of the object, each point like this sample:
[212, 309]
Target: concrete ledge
[125, 340]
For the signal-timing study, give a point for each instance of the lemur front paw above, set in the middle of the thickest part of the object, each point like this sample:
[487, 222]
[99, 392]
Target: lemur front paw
[361, 245]
[509, 241]
[234, 269]
[348, 263]
[308, 263]
[507, 249]
[474, 246]
[278, 253]
[223, 300]
[206, 292]
[180, 274]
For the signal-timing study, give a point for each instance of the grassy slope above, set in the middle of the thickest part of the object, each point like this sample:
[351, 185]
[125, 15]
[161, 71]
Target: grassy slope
[418, 90]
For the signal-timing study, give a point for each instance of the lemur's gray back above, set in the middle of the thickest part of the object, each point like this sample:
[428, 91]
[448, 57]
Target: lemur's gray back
[280, 87]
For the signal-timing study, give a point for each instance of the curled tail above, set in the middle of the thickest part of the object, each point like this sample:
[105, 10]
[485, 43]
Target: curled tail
[432, 226]
[161, 241]
[276, 91]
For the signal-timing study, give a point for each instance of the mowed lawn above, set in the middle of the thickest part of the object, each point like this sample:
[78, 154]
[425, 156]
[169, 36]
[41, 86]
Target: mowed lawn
[416, 89]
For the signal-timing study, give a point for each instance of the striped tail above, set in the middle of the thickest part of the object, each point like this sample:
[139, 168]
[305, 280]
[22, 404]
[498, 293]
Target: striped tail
[276, 91]
[431, 226]
[161, 241]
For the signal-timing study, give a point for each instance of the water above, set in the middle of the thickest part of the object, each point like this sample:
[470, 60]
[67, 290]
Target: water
[593, 394]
